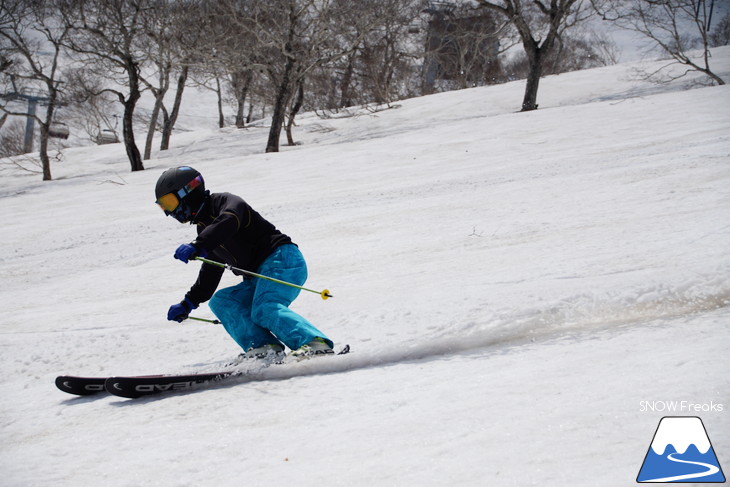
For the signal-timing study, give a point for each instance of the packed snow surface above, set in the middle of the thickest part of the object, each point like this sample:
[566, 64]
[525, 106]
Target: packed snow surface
[525, 294]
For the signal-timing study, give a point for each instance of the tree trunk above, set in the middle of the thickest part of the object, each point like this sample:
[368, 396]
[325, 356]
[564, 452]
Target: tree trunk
[277, 118]
[240, 110]
[345, 98]
[556, 14]
[170, 122]
[45, 160]
[43, 150]
[221, 118]
[241, 81]
[153, 125]
[135, 158]
[534, 74]
[249, 115]
[294, 110]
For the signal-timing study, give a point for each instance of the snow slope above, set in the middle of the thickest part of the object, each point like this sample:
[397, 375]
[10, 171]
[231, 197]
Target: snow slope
[515, 287]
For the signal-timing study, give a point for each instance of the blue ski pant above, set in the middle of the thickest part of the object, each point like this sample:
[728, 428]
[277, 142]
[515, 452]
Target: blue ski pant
[256, 312]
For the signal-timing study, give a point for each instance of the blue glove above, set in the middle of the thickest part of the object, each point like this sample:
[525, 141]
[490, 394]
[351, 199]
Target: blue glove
[186, 252]
[180, 311]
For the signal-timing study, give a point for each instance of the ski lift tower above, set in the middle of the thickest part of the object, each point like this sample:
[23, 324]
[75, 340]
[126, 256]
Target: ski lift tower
[32, 99]
[440, 12]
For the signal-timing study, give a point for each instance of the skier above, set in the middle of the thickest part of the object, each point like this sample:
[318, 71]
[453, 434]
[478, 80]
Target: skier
[255, 312]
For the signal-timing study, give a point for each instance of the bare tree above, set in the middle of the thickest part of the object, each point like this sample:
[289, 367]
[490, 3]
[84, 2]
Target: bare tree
[289, 40]
[240, 85]
[540, 26]
[381, 56]
[289, 33]
[675, 26]
[604, 48]
[209, 75]
[169, 41]
[31, 31]
[377, 58]
[11, 140]
[387, 55]
[462, 46]
[108, 37]
[90, 104]
[170, 118]
[720, 35]
[160, 53]
[218, 53]
[192, 27]
[296, 104]
[233, 55]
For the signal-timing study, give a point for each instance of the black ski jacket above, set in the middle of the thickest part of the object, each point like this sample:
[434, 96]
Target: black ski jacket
[233, 233]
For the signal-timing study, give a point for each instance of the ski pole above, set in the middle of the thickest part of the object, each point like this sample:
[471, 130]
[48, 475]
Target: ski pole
[214, 322]
[324, 293]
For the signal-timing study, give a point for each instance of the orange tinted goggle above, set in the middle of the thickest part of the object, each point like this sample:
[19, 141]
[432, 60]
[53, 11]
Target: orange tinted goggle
[169, 202]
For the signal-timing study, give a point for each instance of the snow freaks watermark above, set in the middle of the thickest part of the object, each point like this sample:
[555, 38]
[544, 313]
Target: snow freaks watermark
[680, 407]
[681, 451]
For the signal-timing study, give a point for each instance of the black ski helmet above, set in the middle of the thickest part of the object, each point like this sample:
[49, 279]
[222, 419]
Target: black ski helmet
[180, 192]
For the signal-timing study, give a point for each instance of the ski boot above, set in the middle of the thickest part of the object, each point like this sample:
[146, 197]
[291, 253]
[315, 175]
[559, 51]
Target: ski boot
[316, 347]
[273, 353]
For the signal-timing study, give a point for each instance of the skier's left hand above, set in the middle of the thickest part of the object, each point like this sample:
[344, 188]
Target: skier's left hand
[180, 311]
[186, 252]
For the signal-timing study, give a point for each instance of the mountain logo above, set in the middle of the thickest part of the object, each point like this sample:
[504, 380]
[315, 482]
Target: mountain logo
[681, 452]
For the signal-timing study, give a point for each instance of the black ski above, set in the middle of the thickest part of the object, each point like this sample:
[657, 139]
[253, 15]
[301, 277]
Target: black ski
[138, 386]
[81, 386]
[133, 387]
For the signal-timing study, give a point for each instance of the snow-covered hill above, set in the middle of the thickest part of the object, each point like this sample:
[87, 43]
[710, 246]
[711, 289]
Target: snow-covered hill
[516, 287]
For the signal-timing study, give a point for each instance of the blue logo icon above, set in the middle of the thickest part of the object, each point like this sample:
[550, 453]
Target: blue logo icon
[681, 452]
